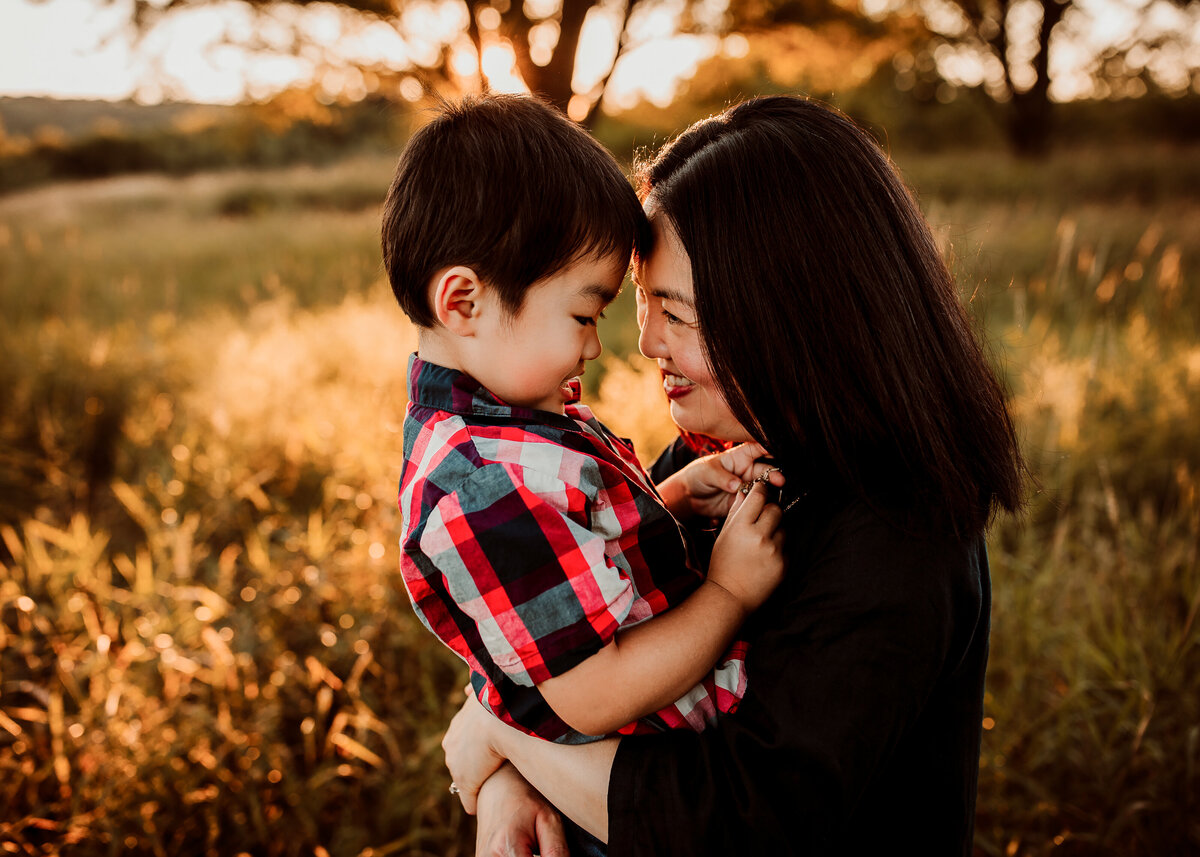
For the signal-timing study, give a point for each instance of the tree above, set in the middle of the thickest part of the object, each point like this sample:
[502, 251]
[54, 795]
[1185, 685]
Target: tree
[543, 35]
[1015, 40]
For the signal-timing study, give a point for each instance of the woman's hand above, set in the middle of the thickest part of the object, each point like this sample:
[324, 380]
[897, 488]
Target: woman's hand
[471, 755]
[515, 820]
[708, 486]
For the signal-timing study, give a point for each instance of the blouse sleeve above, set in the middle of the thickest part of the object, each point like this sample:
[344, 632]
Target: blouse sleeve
[866, 628]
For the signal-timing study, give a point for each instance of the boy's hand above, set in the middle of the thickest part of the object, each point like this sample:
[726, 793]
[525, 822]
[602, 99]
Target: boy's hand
[707, 487]
[747, 559]
[515, 820]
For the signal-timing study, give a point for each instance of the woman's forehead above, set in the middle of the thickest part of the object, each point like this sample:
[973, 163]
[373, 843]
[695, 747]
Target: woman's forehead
[666, 272]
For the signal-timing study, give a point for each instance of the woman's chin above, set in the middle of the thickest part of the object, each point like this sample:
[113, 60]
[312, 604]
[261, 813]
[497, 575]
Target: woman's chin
[728, 429]
[686, 419]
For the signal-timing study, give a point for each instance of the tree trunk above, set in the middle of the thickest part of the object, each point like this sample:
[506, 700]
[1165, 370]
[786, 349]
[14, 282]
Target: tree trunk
[477, 40]
[1031, 113]
[622, 39]
[1029, 123]
[553, 80]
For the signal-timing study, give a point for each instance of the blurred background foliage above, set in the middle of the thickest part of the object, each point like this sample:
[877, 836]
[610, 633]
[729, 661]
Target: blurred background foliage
[204, 648]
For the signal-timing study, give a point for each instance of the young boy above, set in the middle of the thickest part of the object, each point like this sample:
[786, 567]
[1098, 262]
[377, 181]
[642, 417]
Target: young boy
[534, 544]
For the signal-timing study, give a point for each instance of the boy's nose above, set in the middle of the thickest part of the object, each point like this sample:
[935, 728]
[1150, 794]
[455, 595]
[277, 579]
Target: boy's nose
[593, 347]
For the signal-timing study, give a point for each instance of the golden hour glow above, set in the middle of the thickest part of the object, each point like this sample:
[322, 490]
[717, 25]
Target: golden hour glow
[77, 48]
[464, 62]
[578, 107]
[205, 641]
[499, 65]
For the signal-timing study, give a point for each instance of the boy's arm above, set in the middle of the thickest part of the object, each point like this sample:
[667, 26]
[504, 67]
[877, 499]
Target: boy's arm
[651, 665]
[647, 667]
[510, 550]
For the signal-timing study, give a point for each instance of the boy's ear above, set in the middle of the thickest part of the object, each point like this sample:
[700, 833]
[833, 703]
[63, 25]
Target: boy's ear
[456, 299]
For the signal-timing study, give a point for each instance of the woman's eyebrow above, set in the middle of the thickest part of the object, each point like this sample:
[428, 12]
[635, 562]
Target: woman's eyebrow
[671, 295]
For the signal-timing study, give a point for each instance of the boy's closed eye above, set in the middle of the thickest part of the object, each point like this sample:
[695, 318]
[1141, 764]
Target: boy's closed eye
[586, 320]
[597, 297]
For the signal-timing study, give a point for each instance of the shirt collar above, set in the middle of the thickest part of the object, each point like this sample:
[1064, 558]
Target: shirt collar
[434, 386]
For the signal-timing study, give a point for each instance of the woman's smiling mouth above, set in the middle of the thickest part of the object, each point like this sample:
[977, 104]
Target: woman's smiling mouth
[676, 385]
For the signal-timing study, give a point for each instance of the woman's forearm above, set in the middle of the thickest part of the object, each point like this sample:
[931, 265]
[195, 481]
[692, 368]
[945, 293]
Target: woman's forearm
[574, 776]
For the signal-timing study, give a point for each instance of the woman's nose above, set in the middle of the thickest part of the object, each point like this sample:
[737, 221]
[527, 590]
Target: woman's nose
[650, 341]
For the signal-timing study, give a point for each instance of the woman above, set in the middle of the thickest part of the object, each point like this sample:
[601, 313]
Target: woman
[795, 295]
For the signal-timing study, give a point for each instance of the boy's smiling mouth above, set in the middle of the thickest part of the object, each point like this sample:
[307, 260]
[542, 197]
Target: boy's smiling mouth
[567, 387]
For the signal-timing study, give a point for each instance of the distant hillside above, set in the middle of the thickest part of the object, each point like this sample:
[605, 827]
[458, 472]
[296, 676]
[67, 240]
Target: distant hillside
[93, 139]
[21, 117]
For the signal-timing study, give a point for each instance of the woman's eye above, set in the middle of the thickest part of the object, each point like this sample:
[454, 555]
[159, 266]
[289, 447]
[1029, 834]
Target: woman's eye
[671, 318]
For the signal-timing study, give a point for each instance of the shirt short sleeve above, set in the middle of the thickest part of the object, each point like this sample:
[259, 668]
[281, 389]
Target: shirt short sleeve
[513, 545]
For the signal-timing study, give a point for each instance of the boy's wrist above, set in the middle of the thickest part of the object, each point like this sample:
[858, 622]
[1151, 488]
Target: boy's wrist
[728, 595]
[676, 496]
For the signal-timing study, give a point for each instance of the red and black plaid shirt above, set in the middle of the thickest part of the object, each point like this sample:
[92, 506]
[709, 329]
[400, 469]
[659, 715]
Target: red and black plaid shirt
[529, 539]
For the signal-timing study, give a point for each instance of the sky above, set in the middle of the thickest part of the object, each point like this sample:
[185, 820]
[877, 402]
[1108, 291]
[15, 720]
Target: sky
[79, 49]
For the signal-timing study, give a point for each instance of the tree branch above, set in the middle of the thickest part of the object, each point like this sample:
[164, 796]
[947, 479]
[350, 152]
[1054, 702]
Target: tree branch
[600, 88]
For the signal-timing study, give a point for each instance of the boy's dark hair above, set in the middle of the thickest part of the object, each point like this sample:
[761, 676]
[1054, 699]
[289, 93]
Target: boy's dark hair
[509, 187]
[830, 320]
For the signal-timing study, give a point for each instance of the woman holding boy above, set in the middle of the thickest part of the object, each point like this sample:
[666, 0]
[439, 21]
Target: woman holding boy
[535, 546]
[794, 296]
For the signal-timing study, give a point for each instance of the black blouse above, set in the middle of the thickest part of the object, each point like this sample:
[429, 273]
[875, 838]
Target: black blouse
[859, 732]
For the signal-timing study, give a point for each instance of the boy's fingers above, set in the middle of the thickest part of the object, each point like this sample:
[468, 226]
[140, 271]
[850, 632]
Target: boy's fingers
[771, 516]
[767, 473]
[751, 504]
[739, 458]
[552, 841]
[468, 802]
[751, 450]
[738, 499]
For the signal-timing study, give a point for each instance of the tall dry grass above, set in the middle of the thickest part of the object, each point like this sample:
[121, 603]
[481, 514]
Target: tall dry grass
[203, 648]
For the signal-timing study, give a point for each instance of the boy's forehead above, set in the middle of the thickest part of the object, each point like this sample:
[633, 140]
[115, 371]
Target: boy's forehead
[606, 292]
[597, 278]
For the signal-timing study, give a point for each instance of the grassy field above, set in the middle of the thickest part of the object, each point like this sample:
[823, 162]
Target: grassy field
[203, 646]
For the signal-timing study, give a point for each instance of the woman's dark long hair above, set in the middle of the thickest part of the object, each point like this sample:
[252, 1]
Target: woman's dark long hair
[829, 317]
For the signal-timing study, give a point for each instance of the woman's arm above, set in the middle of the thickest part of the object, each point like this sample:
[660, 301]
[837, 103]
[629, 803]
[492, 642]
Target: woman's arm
[860, 723]
[576, 774]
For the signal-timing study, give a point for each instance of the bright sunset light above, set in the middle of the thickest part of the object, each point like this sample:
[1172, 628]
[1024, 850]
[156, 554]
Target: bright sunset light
[212, 443]
[57, 48]
[82, 49]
